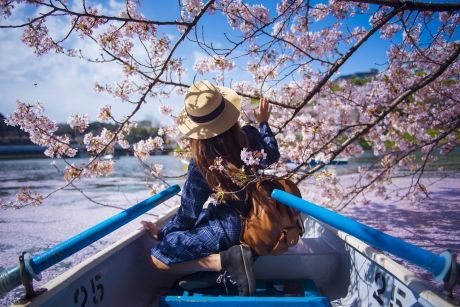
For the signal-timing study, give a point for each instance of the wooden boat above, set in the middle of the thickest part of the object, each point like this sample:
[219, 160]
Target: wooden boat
[327, 267]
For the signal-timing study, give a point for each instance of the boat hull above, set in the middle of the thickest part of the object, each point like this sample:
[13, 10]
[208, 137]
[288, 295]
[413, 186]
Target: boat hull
[346, 270]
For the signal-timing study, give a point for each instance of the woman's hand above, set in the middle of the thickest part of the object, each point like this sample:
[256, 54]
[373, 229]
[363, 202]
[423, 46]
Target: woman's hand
[151, 228]
[263, 114]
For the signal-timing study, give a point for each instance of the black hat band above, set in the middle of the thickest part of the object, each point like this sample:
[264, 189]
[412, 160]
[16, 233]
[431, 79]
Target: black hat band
[208, 117]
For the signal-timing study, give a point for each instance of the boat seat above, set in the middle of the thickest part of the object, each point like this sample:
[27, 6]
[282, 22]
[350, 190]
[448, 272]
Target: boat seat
[311, 258]
[290, 278]
[273, 293]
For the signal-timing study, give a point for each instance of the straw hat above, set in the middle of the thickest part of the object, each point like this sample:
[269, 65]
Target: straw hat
[209, 110]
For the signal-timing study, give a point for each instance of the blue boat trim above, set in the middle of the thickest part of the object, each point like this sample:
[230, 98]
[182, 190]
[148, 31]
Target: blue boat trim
[438, 265]
[305, 292]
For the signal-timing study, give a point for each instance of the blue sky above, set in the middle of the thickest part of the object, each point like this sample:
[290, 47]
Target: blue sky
[372, 55]
[65, 86]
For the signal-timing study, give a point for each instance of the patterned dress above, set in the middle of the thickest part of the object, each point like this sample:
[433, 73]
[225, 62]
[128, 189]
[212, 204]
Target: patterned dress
[195, 232]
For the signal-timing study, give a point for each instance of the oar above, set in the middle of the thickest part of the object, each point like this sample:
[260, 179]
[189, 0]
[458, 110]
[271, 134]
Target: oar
[443, 266]
[11, 278]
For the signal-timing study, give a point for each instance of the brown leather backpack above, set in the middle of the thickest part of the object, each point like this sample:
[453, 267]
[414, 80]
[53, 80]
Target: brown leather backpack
[271, 227]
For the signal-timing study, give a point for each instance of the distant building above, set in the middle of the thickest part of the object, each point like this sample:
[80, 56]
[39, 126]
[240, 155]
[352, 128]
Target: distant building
[144, 124]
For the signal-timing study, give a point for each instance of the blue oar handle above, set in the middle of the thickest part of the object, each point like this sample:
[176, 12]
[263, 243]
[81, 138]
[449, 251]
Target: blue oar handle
[10, 279]
[438, 265]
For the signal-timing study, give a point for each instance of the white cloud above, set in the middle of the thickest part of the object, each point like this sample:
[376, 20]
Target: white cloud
[64, 85]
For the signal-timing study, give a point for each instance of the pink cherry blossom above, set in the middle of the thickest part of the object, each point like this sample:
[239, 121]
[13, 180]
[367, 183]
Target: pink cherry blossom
[105, 113]
[252, 157]
[156, 188]
[97, 168]
[217, 165]
[165, 109]
[36, 36]
[142, 149]
[30, 118]
[79, 123]
[26, 196]
[156, 169]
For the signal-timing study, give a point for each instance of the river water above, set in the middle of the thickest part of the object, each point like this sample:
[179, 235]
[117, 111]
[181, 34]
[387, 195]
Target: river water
[67, 212]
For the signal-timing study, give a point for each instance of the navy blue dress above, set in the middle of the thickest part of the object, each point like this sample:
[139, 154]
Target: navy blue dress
[194, 233]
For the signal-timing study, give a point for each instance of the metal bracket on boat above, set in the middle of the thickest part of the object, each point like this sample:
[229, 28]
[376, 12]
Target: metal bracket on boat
[27, 274]
[453, 277]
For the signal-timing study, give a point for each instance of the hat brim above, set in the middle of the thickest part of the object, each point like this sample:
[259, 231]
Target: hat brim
[220, 124]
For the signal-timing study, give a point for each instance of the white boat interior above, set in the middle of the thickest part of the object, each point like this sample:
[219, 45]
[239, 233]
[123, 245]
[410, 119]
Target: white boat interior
[343, 270]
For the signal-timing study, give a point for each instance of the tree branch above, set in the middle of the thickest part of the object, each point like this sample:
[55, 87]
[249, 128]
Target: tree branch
[392, 106]
[340, 62]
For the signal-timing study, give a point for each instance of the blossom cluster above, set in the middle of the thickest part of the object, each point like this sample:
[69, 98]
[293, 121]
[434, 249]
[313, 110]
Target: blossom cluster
[251, 158]
[96, 167]
[79, 123]
[88, 24]
[215, 63]
[190, 9]
[184, 151]
[97, 144]
[217, 165]
[244, 16]
[105, 113]
[30, 118]
[26, 196]
[36, 36]
[156, 188]
[165, 109]
[142, 149]
[156, 169]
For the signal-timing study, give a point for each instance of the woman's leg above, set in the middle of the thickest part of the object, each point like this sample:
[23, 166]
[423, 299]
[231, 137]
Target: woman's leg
[235, 262]
[171, 272]
[208, 263]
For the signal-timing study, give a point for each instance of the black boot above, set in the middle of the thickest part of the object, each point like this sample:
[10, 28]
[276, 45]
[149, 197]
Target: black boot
[237, 268]
[198, 281]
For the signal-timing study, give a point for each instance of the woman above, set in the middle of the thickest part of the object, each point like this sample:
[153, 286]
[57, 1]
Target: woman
[198, 239]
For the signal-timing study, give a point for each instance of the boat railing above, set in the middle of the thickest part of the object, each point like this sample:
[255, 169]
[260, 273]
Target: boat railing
[444, 266]
[30, 267]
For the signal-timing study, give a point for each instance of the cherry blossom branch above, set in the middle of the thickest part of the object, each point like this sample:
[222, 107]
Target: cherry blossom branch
[66, 11]
[151, 85]
[392, 106]
[415, 45]
[319, 85]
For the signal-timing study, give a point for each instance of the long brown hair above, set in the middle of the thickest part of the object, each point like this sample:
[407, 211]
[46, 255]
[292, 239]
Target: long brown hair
[227, 146]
